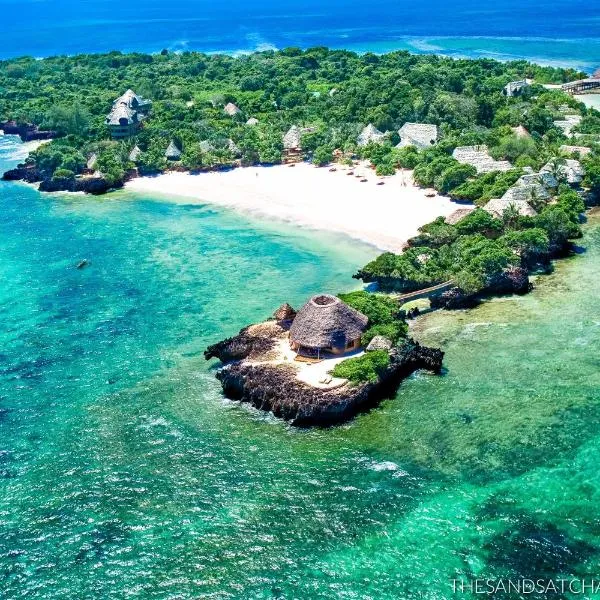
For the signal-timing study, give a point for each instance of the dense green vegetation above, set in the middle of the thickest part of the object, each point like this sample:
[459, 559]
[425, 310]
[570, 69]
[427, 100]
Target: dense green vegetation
[480, 248]
[383, 314]
[363, 369]
[331, 93]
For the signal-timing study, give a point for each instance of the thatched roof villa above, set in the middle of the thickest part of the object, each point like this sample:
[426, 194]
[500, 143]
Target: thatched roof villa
[479, 157]
[172, 152]
[571, 170]
[127, 113]
[370, 134]
[325, 324]
[419, 135]
[497, 206]
[252, 121]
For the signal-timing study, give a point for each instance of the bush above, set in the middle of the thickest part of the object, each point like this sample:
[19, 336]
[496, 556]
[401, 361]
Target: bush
[381, 310]
[63, 174]
[363, 369]
[393, 331]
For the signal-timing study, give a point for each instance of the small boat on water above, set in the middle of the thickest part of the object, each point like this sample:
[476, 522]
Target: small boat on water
[83, 263]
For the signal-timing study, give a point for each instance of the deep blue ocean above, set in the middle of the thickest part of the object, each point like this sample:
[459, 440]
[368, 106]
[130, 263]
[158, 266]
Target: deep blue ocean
[547, 31]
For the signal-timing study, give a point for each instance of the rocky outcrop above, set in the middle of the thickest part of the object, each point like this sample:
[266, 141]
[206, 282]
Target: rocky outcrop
[89, 185]
[251, 342]
[514, 280]
[275, 388]
[27, 173]
[27, 131]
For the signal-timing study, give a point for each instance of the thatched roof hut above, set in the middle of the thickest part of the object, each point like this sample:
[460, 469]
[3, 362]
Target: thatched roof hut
[581, 150]
[479, 157]
[568, 123]
[172, 152]
[570, 169]
[284, 314]
[206, 146]
[252, 121]
[521, 132]
[370, 134]
[135, 154]
[325, 323]
[419, 135]
[233, 147]
[91, 161]
[458, 215]
[292, 139]
[515, 88]
[379, 342]
[231, 109]
[497, 206]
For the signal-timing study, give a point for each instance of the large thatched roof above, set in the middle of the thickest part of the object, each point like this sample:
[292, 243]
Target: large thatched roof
[173, 152]
[121, 114]
[370, 134]
[292, 139]
[231, 109]
[479, 157]
[420, 135]
[325, 321]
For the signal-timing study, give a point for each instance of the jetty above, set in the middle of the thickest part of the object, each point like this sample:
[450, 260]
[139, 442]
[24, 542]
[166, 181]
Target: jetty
[430, 292]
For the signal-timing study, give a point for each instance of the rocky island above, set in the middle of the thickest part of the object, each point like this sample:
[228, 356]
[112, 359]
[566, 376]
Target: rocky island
[326, 363]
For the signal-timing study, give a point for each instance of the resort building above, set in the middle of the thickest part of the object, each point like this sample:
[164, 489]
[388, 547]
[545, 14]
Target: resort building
[515, 88]
[521, 132]
[172, 152]
[127, 114]
[419, 135]
[370, 134]
[252, 121]
[326, 325]
[479, 157]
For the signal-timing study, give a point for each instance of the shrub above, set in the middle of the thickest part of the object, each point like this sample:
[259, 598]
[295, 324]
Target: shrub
[363, 369]
[381, 310]
[393, 331]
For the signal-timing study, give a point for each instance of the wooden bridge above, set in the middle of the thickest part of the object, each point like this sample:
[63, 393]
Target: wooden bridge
[582, 86]
[429, 292]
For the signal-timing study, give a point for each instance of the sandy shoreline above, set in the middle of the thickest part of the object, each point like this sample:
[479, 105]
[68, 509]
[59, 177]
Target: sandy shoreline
[384, 216]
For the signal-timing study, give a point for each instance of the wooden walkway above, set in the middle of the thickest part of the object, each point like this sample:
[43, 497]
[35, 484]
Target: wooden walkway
[435, 290]
[582, 86]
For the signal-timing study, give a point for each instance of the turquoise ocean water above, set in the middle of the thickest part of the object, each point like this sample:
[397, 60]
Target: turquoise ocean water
[125, 474]
[548, 31]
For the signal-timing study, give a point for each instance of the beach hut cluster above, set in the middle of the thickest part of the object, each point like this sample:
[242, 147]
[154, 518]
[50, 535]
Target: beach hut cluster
[126, 116]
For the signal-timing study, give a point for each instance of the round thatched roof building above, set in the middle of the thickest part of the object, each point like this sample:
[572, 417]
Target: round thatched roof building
[326, 324]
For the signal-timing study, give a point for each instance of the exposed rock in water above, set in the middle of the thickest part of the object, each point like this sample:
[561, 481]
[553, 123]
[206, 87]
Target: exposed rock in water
[454, 298]
[89, 185]
[28, 173]
[275, 388]
[512, 281]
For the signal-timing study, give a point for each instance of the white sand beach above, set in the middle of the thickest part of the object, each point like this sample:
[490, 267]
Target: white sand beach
[384, 216]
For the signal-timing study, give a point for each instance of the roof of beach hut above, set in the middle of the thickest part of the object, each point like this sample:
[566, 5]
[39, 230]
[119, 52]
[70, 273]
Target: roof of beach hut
[325, 321]
[120, 113]
[252, 121]
[370, 134]
[458, 215]
[497, 206]
[173, 152]
[233, 147]
[292, 139]
[521, 131]
[421, 135]
[284, 313]
[135, 154]
[479, 157]
[91, 161]
[231, 109]
[379, 342]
